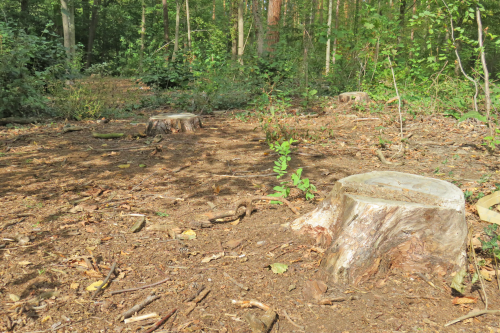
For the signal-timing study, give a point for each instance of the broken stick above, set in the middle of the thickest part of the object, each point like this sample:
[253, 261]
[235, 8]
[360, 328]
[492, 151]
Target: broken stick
[138, 307]
[139, 288]
[196, 301]
[161, 322]
[111, 271]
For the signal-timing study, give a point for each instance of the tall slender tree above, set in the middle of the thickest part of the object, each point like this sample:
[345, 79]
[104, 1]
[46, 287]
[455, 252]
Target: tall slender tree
[328, 31]
[92, 31]
[241, 31]
[188, 21]
[177, 23]
[68, 19]
[166, 31]
[259, 30]
[273, 20]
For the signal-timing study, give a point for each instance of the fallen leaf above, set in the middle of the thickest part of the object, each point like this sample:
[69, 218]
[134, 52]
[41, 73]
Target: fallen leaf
[278, 268]
[93, 273]
[214, 257]
[25, 263]
[190, 234]
[95, 285]
[124, 166]
[464, 300]
[142, 165]
[457, 282]
[235, 222]
[46, 319]
[14, 297]
[74, 285]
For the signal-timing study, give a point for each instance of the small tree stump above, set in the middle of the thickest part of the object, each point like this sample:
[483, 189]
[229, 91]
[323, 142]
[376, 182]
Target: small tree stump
[383, 220]
[172, 123]
[356, 96]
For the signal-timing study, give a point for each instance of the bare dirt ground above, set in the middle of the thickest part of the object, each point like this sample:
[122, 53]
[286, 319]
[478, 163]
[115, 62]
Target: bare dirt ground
[68, 201]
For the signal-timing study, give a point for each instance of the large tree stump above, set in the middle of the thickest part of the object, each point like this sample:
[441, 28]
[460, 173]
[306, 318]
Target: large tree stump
[383, 220]
[356, 96]
[172, 123]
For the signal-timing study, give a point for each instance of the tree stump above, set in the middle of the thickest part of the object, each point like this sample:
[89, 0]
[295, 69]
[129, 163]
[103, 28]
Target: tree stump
[383, 220]
[172, 123]
[356, 96]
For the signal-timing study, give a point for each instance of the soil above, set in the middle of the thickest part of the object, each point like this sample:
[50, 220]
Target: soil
[68, 201]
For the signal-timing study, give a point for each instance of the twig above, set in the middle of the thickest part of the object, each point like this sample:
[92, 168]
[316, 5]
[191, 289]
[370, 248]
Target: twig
[139, 288]
[496, 272]
[250, 303]
[383, 160]
[111, 271]
[151, 175]
[138, 307]
[236, 282]
[189, 299]
[248, 176]
[161, 322]
[292, 322]
[196, 301]
[472, 314]
[399, 104]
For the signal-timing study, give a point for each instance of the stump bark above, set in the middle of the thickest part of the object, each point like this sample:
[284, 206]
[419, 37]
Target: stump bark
[356, 96]
[386, 220]
[172, 123]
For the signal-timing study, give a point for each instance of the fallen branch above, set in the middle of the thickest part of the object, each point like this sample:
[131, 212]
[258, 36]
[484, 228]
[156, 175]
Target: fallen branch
[249, 304]
[139, 288]
[291, 321]
[472, 314]
[15, 120]
[196, 301]
[189, 299]
[383, 160]
[107, 135]
[138, 307]
[141, 318]
[111, 271]
[161, 322]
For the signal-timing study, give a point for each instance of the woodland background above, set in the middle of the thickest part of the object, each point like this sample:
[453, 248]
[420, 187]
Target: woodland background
[225, 54]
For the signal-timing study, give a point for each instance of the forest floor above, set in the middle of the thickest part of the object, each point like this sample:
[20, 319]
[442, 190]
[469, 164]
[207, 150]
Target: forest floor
[68, 201]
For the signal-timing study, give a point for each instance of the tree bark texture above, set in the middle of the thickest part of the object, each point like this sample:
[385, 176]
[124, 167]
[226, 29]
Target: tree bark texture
[177, 21]
[328, 31]
[188, 21]
[241, 31]
[172, 123]
[273, 20]
[166, 30]
[336, 28]
[386, 220]
[92, 30]
[234, 29]
[68, 19]
[143, 34]
[257, 18]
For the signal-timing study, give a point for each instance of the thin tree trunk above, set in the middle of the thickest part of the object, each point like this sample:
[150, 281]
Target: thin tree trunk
[402, 10]
[356, 18]
[320, 9]
[68, 19]
[92, 30]
[188, 24]
[285, 12]
[336, 28]
[234, 29]
[213, 11]
[166, 31]
[412, 34]
[241, 31]
[143, 34]
[328, 31]
[487, 95]
[257, 18]
[177, 21]
[273, 20]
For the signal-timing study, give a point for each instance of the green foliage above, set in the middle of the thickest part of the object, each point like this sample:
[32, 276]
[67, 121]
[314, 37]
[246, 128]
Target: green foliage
[281, 166]
[490, 244]
[27, 63]
[164, 74]
[492, 141]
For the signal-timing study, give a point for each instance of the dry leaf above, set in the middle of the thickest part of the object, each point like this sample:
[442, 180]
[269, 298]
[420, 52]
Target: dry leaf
[74, 285]
[464, 300]
[124, 166]
[25, 263]
[95, 285]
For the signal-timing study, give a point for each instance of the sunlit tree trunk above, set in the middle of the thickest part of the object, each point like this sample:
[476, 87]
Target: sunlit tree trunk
[241, 28]
[213, 10]
[92, 31]
[328, 31]
[487, 95]
[166, 31]
[177, 22]
[273, 20]
[68, 19]
[336, 28]
[188, 21]
[143, 34]
[412, 34]
[234, 29]
[257, 18]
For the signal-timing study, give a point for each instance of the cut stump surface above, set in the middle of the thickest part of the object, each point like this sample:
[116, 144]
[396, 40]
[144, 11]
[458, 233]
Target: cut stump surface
[383, 220]
[356, 96]
[172, 123]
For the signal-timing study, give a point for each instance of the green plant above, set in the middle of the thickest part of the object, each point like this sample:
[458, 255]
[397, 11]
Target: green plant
[281, 166]
[491, 245]
[468, 195]
[162, 214]
[492, 141]
[484, 178]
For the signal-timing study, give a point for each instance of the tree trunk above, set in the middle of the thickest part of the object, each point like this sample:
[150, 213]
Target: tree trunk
[273, 20]
[402, 11]
[241, 31]
[412, 34]
[188, 24]
[68, 18]
[257, 18]
[213, 11]
[234, 29]
[336, 28]
[385, 220]
[166, 31]
[92, 31]
[143, 34]
[172, 123]
[487, 95]
[25, 8]
[177, 21]
[356, 18]
[328, 31]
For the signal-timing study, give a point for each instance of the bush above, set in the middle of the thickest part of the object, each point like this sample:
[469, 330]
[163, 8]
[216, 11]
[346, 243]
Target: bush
[162, 74]
[27, 62]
